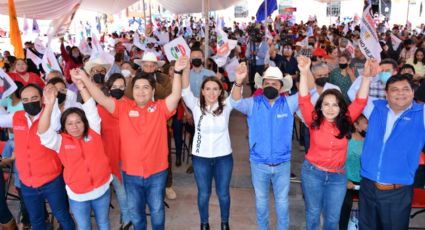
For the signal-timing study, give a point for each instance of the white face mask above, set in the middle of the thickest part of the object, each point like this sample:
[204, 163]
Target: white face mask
[126, 73]
[341, 49]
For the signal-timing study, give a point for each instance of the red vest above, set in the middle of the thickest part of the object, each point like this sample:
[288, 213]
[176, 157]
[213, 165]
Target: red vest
[37, 165]
[86, 166]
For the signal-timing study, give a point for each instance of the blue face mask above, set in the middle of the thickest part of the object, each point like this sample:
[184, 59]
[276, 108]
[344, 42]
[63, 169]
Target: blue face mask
[384, 76]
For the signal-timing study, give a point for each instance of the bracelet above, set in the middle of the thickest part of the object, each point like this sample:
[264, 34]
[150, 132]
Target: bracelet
[238, 85]
[178, 72]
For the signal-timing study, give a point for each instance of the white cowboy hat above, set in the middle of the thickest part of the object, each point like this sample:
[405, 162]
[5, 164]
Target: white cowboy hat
[97, 62]
[275, 74]
[151, 57]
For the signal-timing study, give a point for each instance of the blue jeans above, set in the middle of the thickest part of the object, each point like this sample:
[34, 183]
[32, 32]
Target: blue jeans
[100, 206]
[122, 200]
[323, 191]
[150, 191]
[54, 192]
[278, 176]
[178, 136]
[205, 169]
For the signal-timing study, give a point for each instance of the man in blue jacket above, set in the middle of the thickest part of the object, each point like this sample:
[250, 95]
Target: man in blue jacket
[395, 137]
[270, 120]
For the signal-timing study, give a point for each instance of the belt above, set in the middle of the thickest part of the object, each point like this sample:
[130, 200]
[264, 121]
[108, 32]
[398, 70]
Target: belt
[273, 165]
[386, 187]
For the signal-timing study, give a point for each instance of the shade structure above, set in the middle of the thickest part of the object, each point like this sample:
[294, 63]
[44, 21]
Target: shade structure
[195, 6]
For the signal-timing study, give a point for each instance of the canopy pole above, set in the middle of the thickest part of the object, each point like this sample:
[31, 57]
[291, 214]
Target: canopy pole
[265, 13]
[206, 4]
[150, 10]
[144, 12]
[408, 9]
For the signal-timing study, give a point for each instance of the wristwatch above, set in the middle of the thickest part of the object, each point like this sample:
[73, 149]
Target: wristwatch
[178, 72]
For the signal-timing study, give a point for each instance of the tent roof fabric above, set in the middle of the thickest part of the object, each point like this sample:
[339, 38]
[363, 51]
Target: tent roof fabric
[195, 6]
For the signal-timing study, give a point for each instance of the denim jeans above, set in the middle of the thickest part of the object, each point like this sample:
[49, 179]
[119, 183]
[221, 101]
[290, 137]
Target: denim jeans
[178, 136]
[278, 176]
[323, 191]
[5, 215]
[122, 200]
[54, 192]
[205, 169]
[100, 206]
[151, 191]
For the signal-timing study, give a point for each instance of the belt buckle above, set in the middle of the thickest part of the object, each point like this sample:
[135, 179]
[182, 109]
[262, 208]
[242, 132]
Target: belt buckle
[385, 187]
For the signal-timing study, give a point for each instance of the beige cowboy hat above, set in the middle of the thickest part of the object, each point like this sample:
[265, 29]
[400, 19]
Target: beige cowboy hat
[274, 73]
[97, 62]
[151, 57]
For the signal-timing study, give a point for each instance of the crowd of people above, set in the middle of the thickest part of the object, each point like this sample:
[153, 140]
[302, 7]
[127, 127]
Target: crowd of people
[71, 134]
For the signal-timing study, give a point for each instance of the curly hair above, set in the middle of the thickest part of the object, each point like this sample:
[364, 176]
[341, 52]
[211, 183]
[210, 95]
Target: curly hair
[220, 99]
[343, 121]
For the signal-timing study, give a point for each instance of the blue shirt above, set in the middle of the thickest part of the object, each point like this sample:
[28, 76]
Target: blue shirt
[261, 48]
[196, 79]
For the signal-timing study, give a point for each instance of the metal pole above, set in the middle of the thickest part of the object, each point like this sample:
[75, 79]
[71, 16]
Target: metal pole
[150, 10]
[407, 16]
[380, 10]
[207, 29]
[265, 13]
[144, 13]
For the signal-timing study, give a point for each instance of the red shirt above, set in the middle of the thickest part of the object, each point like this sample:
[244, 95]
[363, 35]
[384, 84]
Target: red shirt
[326, 151]
[143, 136]
[33, 78]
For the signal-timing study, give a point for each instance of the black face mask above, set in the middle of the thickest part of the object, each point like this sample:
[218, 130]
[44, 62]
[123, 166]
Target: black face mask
[311, 43]
[99, 78]
[271, 92]
[197, 62]
[116, 93]
[362, 133]
[32, 108]
[61, 97]
[343, 66]
[321, 81]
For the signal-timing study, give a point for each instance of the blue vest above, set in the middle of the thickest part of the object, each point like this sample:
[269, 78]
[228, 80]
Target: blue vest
[270, 131]
[396, 160]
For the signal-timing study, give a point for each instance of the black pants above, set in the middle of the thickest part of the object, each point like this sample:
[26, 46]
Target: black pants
[252, 70]
[5, 215]
[346, 209]
[382, 210]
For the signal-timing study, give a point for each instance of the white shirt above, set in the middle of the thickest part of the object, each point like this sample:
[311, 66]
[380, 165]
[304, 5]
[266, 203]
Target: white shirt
[211, 132]
[52, 140]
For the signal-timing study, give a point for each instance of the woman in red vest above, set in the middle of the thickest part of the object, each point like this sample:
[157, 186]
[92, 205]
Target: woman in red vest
[87, 173]
[22, 75]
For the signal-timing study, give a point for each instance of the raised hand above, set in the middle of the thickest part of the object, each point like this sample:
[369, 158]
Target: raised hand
[181, 63]
[77, 74]
[303, 63]
[241, 72]
[371, 68]
[49, 94]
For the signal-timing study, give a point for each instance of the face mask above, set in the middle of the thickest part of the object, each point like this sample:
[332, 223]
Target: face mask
[321, 81]
[99, 78]
[362, 133]
[342, 49]
[61, 97]
[116, 93]
[384, 76]
[311, 43]
[32, 108]
[343, 66]
[270, 92]
[197, 62]
[126, 73]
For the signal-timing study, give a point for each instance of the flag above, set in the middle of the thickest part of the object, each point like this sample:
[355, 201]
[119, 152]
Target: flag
[84, 47]
[137, 43]
[26, 26]
[176, 48]
[350, 49]
[33, 57]
[271, 6]
[59, 26]
[39, 46]
[219, 23]
[49, 61]
[369, 41]
[35, 27]
[98, 52]
[224, 45]
[7, 86]
[15, 34]
[395, 41]
[231, 69]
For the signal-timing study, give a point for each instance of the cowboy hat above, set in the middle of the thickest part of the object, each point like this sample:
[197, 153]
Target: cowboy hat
[274, 73]
[96, 62]
[149, 56]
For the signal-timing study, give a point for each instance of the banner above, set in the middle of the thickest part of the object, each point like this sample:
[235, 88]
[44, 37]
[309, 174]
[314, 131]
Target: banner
[33, 57]
[49, 61]
[59, 26]
[7, 86]
[176, 48]
[39, 46]
[369, 42]
[14, 33]
[395, 41]
[350, 49]
[271, 6]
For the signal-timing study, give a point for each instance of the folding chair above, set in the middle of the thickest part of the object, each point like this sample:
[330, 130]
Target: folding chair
[418, 202]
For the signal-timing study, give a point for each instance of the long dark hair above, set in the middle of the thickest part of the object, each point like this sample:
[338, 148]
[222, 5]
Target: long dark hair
[220, 98]
[415, 60]
[77, 60]
[342, 121]
[80, 113]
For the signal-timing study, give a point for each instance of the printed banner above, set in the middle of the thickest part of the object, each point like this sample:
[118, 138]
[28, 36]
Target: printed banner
[7, 86]
[176, 48]
[369, 42]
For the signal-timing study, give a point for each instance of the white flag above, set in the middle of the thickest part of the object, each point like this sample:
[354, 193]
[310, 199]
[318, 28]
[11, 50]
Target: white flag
[49, 61]
[395, 41]
[176, 48]
[98, 52]
[369, 42]
[84, 47]
[137, 43]
[34, 58]
[231, 69]
[7, 86]
[39, 46]
[350, 48]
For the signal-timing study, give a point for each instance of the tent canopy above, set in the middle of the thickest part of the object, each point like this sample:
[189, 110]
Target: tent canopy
[52, 9]
[195, 6]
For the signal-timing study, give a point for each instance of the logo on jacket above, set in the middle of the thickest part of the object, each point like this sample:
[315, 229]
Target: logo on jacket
[68, 147]
[282, 115]
[406, 118]
[19, 128]
[133, 113]
[151, 108]
[88, 138]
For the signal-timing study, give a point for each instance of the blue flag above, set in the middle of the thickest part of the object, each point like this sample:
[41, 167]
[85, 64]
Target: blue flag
[271, 6]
